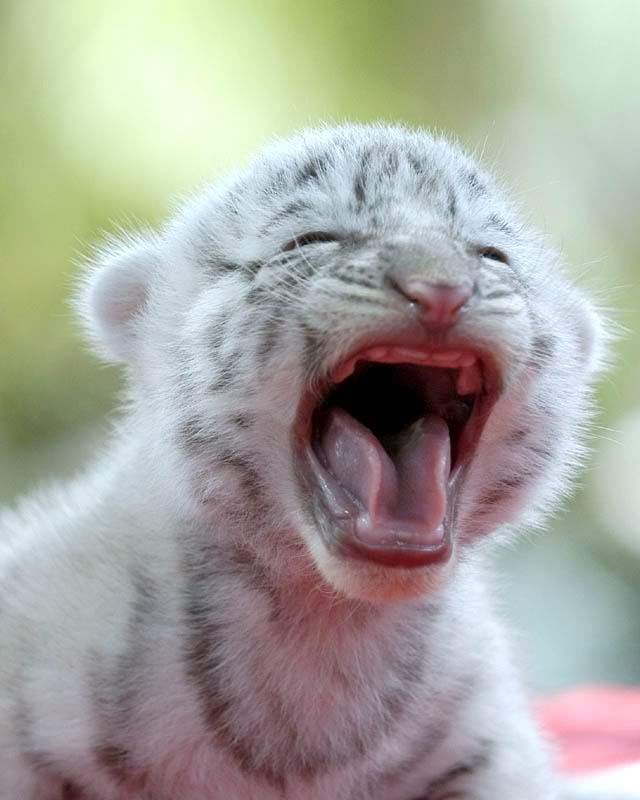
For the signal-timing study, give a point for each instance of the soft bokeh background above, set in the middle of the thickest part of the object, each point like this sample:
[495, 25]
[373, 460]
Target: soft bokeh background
[112, 111]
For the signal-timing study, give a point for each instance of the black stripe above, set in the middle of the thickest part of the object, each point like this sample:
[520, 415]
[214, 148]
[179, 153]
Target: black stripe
[291, 209]
[268, 340]
[544, 349]
[244, 421]
[497, 294]
[313, 352]
[461, 770]
[452, 202]
[544, 453]
[224, 378]
[312, 169]
[358, 190]
[416, 163]
[257, 295]
[518, 436]
[216, 333]
[356, 280]
[115, 692]
[475, 185]
[70, 791]
[392, 162]
[193, 438]
[252, 267]
[500, 224]
[503, 490]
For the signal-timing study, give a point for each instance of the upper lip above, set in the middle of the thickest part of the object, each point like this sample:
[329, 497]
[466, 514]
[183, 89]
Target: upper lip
[470, 378]
[478, 373]
[478, 377]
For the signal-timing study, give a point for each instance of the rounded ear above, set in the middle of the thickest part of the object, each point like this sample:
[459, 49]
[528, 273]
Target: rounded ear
[114, 293]
[593, 336]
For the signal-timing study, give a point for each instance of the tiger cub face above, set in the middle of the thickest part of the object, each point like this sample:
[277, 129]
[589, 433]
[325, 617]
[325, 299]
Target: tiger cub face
[354, 355]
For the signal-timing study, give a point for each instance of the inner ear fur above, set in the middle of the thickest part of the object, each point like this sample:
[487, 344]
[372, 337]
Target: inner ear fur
[114, 293]
[594, 335]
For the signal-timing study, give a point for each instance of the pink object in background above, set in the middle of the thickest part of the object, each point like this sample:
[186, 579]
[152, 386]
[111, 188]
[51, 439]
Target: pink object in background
[594, 727]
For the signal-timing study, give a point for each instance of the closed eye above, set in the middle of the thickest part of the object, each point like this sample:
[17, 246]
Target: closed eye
[313, 237]
[493, 254]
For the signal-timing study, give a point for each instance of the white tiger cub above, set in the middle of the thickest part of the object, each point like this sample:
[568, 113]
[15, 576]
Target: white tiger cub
[349, 368]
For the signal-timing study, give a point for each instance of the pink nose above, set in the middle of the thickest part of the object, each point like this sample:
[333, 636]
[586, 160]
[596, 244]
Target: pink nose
[440, 304]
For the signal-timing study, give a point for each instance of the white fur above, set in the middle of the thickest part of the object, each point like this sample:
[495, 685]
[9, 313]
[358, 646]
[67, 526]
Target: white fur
[186, 549]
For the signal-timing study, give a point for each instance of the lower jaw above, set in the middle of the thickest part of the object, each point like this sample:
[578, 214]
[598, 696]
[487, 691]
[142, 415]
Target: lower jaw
[365, 580]
[335, 522]
[400, 557]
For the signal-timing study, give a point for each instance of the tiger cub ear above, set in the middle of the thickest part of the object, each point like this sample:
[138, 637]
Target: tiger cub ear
[595, 334]
[114, 293]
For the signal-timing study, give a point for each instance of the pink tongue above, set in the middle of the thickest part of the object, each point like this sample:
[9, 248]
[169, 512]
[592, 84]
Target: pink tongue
[403, 501]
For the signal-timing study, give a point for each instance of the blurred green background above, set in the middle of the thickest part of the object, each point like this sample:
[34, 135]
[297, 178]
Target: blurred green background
[113, 111]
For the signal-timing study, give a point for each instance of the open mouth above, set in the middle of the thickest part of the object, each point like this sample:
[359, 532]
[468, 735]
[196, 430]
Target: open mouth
[387, 447]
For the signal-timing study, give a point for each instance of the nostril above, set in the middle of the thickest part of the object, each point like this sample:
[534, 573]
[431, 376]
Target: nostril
[437, 295]
[440, 304]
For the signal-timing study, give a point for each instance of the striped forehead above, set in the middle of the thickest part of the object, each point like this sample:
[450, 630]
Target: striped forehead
[358, 181]
[372, 183]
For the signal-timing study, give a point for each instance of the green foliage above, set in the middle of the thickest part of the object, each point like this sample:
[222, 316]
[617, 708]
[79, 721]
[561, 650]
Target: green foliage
[111, 111]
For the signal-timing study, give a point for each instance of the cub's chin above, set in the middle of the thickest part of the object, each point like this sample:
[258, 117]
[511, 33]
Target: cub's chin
[376, 583]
